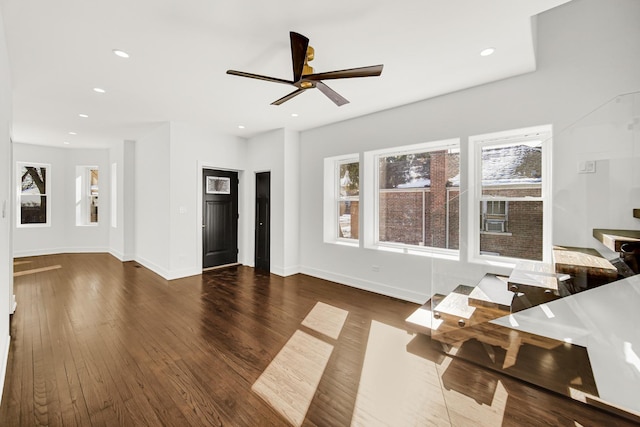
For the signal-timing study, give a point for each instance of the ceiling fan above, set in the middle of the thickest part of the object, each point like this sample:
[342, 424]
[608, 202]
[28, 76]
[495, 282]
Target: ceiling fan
[304, 77]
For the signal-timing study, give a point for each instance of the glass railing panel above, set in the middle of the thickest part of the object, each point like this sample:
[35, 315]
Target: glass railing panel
[570, 324]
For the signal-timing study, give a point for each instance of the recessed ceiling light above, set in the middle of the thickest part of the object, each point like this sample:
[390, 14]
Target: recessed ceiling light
[240, 127]
[72, 133]
[99, 90]
[66, 143]
[84, 116]
[488, 51]
[121, 53]
[294, 114]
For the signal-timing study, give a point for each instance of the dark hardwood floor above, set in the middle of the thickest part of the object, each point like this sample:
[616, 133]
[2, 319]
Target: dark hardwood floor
[97, 342]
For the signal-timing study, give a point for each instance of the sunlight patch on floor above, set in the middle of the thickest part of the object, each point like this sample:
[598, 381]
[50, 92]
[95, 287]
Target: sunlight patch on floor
[291, 379]
[326, 319]
[397, 388]
[476, 399]
[36, 270]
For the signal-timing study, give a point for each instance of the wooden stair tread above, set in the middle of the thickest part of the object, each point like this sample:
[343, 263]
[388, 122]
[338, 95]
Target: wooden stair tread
[422, 319]
[574, 261]
[533, 277]
[456, 304]
[492, 292]
[614, 238]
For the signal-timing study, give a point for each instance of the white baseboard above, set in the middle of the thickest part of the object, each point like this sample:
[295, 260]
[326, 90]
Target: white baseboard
[284, 271]
[378, 288]
[153, 267]
[120, 256]
[168, 274]
[185, 272]
[5, 362]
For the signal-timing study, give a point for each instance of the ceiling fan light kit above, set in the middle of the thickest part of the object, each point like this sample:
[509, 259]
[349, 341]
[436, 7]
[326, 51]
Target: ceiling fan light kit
[304, 77]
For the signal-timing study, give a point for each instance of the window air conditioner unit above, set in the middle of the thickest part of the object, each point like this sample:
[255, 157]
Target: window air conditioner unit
[495, 225]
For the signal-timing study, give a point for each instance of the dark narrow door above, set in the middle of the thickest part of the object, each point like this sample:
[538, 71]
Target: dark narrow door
[219, 218]
[263, 220]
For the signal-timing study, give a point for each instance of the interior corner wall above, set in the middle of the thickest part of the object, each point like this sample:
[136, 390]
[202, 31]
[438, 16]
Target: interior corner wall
[121, 237]
[151, 208]
[586, 56]
[6, 216]
[63, 235]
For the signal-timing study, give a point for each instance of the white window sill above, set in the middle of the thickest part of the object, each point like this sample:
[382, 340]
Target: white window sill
[425, 251]
[32, 225]
[509, 263]
[344, 242]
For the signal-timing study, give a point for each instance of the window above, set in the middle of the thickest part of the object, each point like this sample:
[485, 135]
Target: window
[510, 206]
[114, 195]
[87, 192]
[34, 207]
[348, 199]
[342, 199]
[417, 196]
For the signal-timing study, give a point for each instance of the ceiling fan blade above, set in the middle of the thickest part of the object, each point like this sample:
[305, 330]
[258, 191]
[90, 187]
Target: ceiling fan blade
[259, 77]
[372, 71]
[299, 45]
[288, 97]
[338, 99]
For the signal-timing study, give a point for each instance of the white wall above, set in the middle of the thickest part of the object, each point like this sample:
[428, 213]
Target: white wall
[121, 237]
[191, 149]
[291, 190]
[586, 55]
[151, 209]
[266, 154]
[63, 235]
[6, 216]
[277, 152]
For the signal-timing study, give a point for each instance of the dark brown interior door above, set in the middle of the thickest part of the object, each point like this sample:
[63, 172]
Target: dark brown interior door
[263, 221]
[219, 218]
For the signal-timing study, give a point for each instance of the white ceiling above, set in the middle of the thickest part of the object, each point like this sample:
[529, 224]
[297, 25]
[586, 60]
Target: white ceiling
[60, 50]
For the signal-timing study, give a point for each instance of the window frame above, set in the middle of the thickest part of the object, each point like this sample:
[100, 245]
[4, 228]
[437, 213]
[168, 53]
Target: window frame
[84, 196]
[332, 199]
[371, 223]
[340, 199]
[542, 133]
[18, 174]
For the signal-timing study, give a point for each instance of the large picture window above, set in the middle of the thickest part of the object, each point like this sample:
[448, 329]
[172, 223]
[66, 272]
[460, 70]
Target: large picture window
[33, 194]
[417, 198]
[510, 204]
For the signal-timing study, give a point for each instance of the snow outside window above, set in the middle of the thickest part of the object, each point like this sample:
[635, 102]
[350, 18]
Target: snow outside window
[510, 206]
